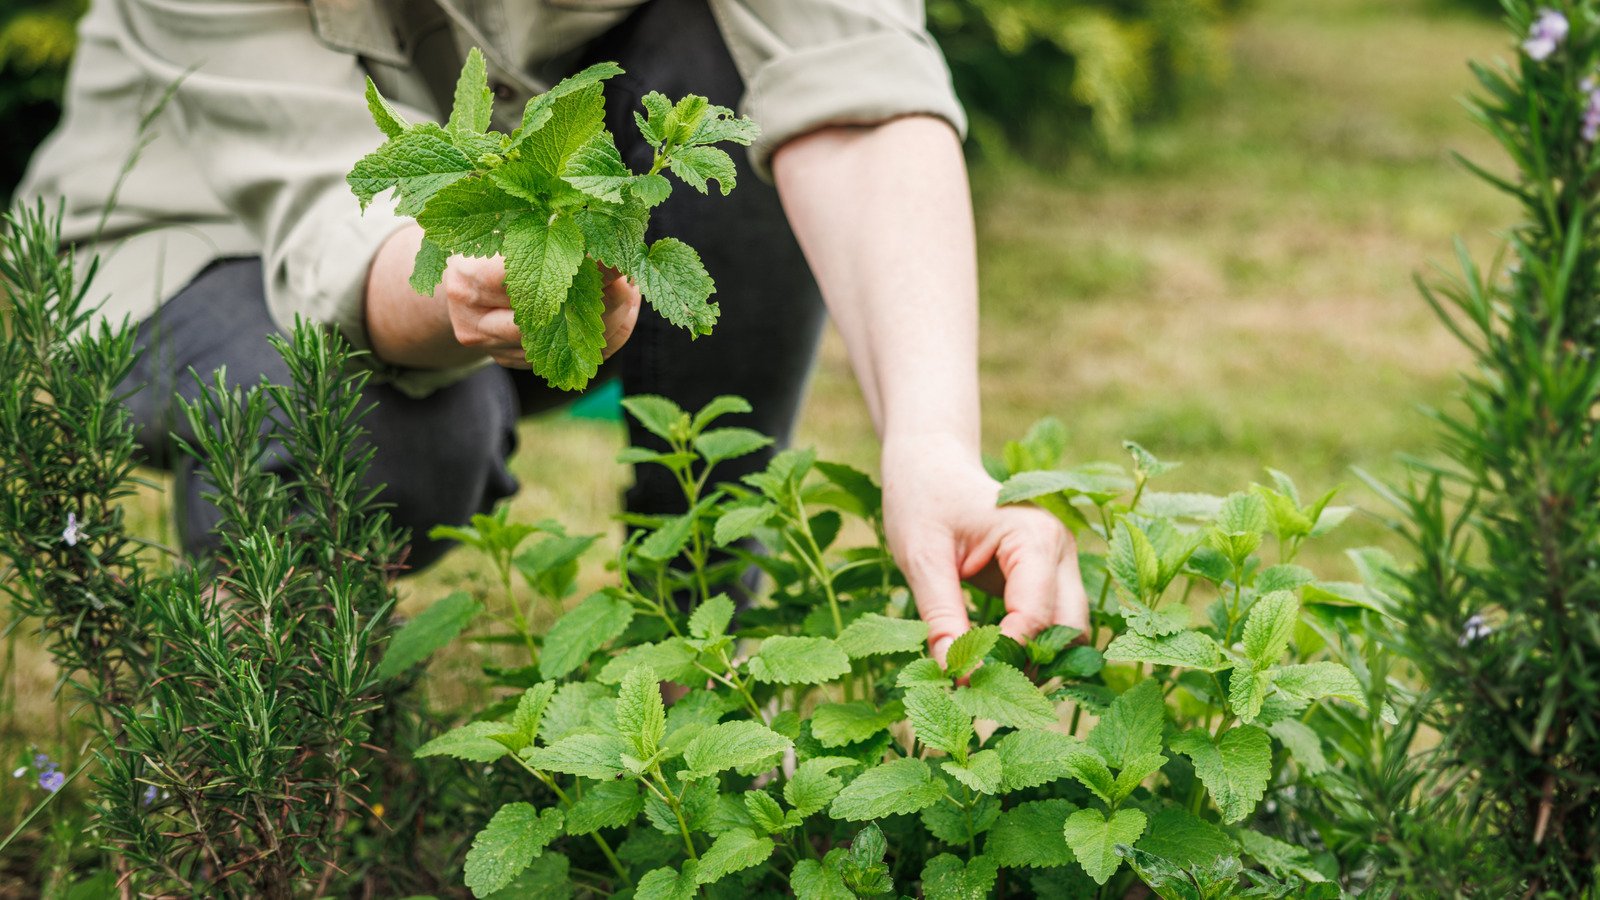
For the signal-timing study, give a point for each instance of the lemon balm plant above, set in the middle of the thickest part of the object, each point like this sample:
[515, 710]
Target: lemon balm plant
[812, 746]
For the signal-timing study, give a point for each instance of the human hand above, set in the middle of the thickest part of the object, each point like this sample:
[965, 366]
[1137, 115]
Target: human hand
[474, 290]
[944, 527]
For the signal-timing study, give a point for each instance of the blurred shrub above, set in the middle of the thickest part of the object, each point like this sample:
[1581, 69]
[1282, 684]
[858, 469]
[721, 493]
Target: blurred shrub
[36, 42]
[1031, 72]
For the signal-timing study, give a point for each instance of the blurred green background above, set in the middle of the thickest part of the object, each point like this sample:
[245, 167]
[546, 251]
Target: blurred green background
[1199, 224]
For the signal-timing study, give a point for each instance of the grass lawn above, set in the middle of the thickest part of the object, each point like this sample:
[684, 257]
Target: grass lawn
[1236, 293]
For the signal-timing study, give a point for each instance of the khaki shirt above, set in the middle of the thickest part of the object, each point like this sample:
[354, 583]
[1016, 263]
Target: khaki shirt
[249, 157]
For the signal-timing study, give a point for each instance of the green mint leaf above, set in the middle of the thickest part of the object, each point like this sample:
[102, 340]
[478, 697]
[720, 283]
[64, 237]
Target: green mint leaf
[474, 741]
[573, 709]
[1133, 774]
[1133, 562]
[966, 650]
[1030, 836]
[391, 123]
[923, 672]
[1189, 649]
[945, 878]
[720, 444]
[669, 538]
[1235, 769]
[1087, 766]
[720, 124]
[1247, 691]
[1267, 630]
[596, 168]
[1031, 758]
[508, 844]
[980, 772]
[876, 635]
[474, 103]
[431, 629]
[1302, 742]
[669, 884]
[547, 878]
[812, 880]
[732, 745]
[530, 712]
[597, 756]
[471, 217]
[798, 660]
[1314, 681]
[838, 724]
[950, 823]
[670, 660]
[895, 788]
[1281, 859]
[1002, 693]
[567, 350]
[813, 786]
[428, 268]
[575, 118]
[1239, 526]
[539, 109]
[609, 804]
[541, 261]
[1181, 838]
[675, 282]
[739, 522]
[650, 190]
[711, 618]
[597, 621]
[863, 869]
[699, 165]
[1131, 728]
[733, 851]
[765, 812]
[641, 716]
[939, 722]
[1094, 839]
[417, 165]
[659, 416]
[722, 405]
[656, 109]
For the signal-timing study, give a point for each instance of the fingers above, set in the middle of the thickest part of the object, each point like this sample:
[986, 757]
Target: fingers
[622, 312]
[1072, 601]
[936, 586]
[1031, 561]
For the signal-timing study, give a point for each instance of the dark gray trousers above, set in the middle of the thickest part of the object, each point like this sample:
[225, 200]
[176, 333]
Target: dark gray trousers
[443, 457]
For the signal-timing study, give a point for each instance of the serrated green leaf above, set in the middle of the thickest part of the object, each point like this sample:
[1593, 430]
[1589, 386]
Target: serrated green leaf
[427, 269]
[596, 168]
[546, 878]
[474, 741]
[1031, 835]
[572, 709]
[720, 444]
[669, 884]
[474, 103]
[1303, 743]
[1235, 769]
[471, 216]
[1094, 839]
[576, 116]
[739, 522]
[813, 786]
[669, 539]
[712, 617]
[765, 812]
[597, 756]
[506, 846]
[981, 771]
[609, 804]
[659, 416]
[1131, 728]
[1316, 680]
[416, 164]
[946, 878]
[1281, 859]
[1133, 561]
[923, 672]
[1267, 630]
[938, 721]
[783, 659]
[391, 123]
[542, 259]
[431, 629]
[676, 284]
[732, 745]
[530, 712]
[670, 660]
[838, 724]
[722, 405]
[698, 165]
[1030, 758]
[600, 619]
[1189, 649]
[812, 880]
[614, 235]
[1247, 690]
[1002, 693]
[1239, 525]
[1089, 768]
[965, 651]
[1179, 837]
[895, 788]
[876, 635]
[651, 190]
[641, 716]
[1133, 774]
[733, 851]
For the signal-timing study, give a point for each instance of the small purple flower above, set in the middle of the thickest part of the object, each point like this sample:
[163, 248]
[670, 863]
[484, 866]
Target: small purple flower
[1546, 33]
[1476, 628]
[40, 761]
[52, 780]
[71, 534]
[1591, 118]
[149, 795]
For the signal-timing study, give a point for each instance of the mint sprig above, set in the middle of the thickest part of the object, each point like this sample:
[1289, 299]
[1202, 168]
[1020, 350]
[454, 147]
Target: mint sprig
[553, 198]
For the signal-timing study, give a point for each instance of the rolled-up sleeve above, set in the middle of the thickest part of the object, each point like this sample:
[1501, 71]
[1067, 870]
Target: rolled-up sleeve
[273, 119]
[811, 63]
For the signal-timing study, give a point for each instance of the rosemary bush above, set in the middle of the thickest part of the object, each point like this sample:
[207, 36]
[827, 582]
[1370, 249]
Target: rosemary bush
[1504, 604]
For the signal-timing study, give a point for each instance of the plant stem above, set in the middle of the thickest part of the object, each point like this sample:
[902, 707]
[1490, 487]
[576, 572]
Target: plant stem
[599, 840]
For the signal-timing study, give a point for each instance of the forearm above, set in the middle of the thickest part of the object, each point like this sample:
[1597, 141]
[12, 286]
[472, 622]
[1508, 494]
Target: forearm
[405, 328]
[884, 216]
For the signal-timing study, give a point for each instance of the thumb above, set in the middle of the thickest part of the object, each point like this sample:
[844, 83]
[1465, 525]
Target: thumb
[936, 587]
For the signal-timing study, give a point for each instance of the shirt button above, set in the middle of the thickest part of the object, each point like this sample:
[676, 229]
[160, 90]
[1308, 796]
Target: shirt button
[503, 91]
